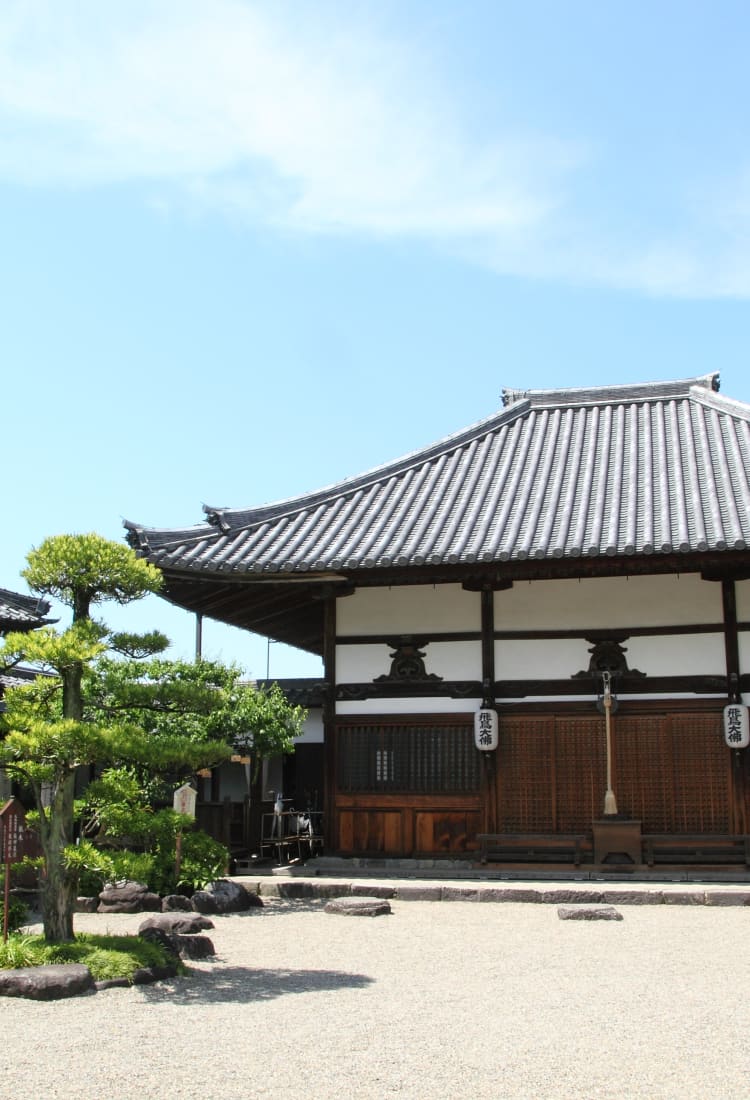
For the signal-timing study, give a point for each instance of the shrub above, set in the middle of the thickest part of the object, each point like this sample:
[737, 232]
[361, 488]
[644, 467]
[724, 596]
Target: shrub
[21, 951]
[17, 909]
[106, 956]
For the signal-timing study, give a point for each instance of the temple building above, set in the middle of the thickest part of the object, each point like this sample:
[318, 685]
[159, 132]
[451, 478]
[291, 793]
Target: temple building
[577, 564]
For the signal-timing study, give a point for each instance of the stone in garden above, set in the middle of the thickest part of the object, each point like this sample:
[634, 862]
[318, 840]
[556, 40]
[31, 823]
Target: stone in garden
[165, 939]
[362, 906]
[588, 912]
[173, 903]
[224, 896]
[128, 897]
[46, 983]
[194, 947]
[86, 905]
[176, 924]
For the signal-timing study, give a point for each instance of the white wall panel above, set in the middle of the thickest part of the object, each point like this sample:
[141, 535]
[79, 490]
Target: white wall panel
[540, 659]
[408, 706]
[742, 595]
[608, 603]
[450, 660]
[680, 655]
[408, 609]
[312, 730]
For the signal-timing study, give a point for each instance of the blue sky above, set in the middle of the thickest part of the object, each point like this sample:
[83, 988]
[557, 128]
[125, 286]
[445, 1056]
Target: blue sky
[247, 250]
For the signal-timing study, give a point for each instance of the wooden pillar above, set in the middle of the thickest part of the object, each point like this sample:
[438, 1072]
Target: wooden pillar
[489, 774]
[738, 810]
[329, 723]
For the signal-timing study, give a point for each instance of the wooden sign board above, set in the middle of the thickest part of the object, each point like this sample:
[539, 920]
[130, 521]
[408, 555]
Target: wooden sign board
[13, 831]
[184, 800]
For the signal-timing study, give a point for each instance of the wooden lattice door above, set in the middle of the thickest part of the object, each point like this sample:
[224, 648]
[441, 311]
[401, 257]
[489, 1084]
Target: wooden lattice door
[670, 771]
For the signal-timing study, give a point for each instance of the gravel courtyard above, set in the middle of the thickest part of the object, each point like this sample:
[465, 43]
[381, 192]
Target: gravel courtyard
[448, 999]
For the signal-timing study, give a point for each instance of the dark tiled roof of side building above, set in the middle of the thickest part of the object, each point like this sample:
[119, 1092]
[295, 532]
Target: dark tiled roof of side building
[19, 612]
[654, 468]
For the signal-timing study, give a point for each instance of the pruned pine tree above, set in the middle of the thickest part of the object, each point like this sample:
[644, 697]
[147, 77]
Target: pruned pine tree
[49, 730]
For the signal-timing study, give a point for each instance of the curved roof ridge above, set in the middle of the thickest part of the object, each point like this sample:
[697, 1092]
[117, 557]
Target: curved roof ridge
[232, 519]
[599, 395]
[721, 402]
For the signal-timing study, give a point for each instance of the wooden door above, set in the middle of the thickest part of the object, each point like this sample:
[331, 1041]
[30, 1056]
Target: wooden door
[670, 771]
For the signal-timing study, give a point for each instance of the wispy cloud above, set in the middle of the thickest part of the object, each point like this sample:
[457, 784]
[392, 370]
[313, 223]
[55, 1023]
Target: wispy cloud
[322, 128]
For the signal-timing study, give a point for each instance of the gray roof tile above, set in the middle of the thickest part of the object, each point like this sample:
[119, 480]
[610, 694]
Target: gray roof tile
[647, 469]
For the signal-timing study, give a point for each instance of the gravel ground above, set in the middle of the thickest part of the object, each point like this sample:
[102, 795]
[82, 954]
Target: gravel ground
[446, 1000]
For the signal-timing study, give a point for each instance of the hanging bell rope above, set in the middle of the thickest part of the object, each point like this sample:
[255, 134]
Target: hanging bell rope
[610, 802]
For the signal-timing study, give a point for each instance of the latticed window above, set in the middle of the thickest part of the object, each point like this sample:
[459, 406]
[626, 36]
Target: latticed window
[407, 757]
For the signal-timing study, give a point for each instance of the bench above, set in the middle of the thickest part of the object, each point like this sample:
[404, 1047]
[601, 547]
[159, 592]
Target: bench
[530, 847]
[695, 848]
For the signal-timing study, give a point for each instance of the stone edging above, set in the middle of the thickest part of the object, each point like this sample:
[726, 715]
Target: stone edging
[300, 889]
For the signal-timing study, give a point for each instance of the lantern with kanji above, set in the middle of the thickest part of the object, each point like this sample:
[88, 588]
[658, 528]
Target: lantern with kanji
[485, 729]
[736, 726]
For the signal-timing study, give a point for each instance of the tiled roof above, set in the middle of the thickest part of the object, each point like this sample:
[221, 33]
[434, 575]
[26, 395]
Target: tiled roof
[657, 468]
[19, 612]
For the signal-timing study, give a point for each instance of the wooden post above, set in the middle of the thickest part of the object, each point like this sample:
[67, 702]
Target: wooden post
[329, 724]
[177, 857]
[738, 787]
[489, 778]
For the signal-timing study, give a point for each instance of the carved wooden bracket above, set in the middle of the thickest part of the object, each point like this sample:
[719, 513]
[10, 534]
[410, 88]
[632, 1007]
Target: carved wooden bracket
[407, 662]
[607, 655]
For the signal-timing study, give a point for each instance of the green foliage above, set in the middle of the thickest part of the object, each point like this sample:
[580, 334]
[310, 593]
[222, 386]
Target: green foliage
[203, 860]
[136, 866]
[199, 701]
[88, 866]
[137, 710]
[17, 910]
[82, 569]
[116, 810]
[21, 951]
[106, 957]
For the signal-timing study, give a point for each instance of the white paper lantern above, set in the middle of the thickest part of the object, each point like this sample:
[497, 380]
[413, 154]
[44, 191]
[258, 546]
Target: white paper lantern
[736, 726]
[485, 729]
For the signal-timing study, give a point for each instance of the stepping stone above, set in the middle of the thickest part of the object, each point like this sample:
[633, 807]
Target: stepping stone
[46, 983]
[588, 912]
[361, 906]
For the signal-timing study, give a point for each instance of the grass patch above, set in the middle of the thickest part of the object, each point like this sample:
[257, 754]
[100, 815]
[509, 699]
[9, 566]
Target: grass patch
[105, 956]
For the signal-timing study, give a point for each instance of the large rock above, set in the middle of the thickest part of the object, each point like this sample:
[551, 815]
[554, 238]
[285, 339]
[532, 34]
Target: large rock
[128, 897]
[180, 945]
[46, 983]
[194, 947]
[223, 896]
[165, 939]
[176, 903]
[176, 924]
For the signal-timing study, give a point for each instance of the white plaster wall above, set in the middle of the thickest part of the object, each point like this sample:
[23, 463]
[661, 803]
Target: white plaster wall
[679, 655]
[540, 659]
[408, 706]
[742, 596]
[608, 603]
[452, 660]
[312, 730]
[408, 609]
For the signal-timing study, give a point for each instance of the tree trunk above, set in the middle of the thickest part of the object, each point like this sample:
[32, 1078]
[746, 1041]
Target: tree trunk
[59, 886]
